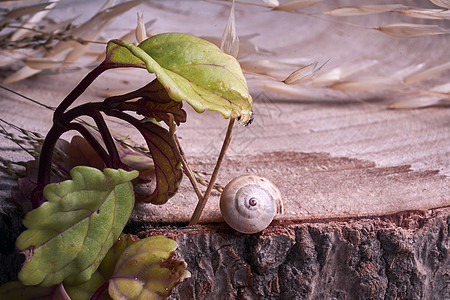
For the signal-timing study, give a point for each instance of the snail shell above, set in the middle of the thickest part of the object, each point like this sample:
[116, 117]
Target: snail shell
[249, 203]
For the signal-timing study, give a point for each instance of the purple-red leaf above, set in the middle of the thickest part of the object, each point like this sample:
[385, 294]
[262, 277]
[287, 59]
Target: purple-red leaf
[154, 102]
[166, 160]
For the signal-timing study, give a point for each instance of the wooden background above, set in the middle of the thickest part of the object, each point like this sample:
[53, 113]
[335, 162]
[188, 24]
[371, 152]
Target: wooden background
[341, 156]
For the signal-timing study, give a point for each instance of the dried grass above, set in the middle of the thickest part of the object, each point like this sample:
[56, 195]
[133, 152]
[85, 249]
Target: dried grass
[441, 3]
[341, 73]
[411, 30]
[419, 102]
[88, 31]
[351, 11]
[301, 75]
[38, 12]
[293, 5]
[431, 14]
[294, 78]
[230, 41]
[426, 74]
[30, 10]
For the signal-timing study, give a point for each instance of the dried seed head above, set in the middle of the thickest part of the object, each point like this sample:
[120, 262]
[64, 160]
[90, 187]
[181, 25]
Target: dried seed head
[230, 41]
[349, 11]
[302, 74]
[425, 74]
[411, 30]
[271, 3]
[441, 3]
[296, 5]
[141, 33]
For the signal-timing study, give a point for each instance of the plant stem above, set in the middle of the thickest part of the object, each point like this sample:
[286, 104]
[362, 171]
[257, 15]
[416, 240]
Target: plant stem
[187, 168]
[92, 141]
[45, 159]
[93, 110]
[79, 89]
[100, 291]
[201, 204]
[61, 125]
[45, 163]
[107, 138]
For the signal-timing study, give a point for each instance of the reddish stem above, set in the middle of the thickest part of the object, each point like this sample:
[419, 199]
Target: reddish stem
[100, 291]
[92, 141]
[79, 89]
[64, 124]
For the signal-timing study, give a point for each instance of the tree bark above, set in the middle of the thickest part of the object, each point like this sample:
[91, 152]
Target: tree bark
[401, 256]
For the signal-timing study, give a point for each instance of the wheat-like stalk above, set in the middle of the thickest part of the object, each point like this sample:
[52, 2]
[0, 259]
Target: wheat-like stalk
[43, 44]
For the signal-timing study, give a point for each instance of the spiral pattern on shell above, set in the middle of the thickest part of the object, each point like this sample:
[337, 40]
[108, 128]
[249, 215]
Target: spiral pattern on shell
[250, 202]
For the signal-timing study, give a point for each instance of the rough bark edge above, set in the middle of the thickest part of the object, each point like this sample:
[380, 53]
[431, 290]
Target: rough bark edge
[401, 256]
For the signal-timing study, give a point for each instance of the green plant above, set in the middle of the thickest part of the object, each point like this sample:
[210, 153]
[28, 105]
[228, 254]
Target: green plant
[82, 217]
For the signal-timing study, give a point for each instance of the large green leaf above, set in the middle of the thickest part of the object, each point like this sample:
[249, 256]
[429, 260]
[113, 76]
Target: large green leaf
[69, 235]
[147, 269]
[190, 69]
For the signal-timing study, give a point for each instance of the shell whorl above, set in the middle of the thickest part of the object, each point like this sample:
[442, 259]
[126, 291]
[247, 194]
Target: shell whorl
[250, 202]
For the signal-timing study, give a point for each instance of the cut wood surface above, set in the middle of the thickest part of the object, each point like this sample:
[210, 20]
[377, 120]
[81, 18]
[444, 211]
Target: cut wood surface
[331, 157]
[328, 160]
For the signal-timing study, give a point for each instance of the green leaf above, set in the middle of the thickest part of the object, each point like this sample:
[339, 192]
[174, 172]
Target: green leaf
[190, 69]
[119, 57]
[69, 235]
[106, 268]
[15, 290]
[86, 289]
[167, 161]
[148, 269]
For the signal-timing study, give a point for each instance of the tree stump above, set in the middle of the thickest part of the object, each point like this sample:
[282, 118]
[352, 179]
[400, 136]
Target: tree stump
[401, 256]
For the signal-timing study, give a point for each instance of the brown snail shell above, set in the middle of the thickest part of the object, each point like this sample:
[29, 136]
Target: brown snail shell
[249, 203]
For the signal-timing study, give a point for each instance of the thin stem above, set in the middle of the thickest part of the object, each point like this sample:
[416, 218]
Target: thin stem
[107, 138]
[187, 168]
[28, 98]
[100, 291]
[79, 89]
[92, 141]
[201, 204]
[93, 110]
[45, 163]
[61, 125]
[125, 97]
[45, 159]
